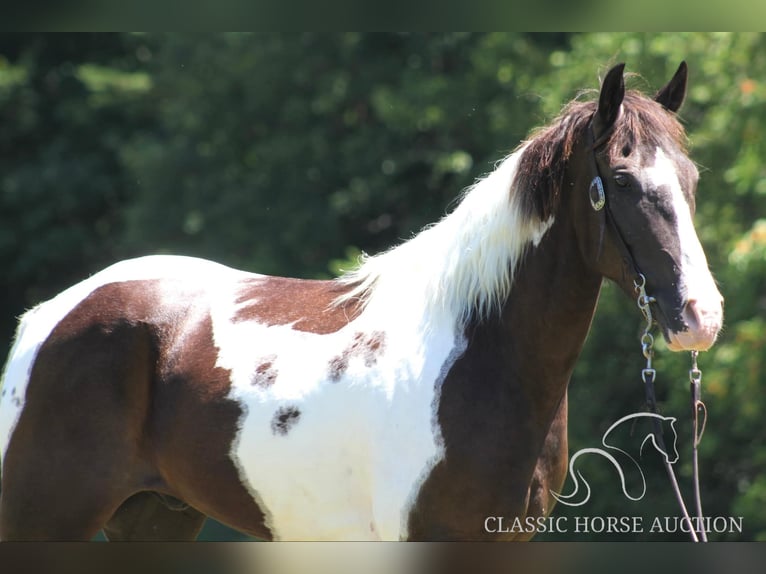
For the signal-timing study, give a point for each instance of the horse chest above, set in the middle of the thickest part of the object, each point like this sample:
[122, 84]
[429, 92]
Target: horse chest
[338, 430]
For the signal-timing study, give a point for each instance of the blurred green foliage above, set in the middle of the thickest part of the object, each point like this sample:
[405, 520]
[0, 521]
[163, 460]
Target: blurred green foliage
[291, 153]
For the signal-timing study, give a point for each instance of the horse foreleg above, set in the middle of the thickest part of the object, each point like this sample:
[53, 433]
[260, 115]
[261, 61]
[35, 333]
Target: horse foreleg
[550, 471]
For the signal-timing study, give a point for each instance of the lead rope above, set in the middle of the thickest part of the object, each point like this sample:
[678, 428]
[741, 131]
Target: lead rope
[648, 375]
[698, 408]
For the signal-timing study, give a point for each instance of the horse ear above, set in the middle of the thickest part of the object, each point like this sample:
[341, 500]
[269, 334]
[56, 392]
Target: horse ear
[672, 95]
[610, 98]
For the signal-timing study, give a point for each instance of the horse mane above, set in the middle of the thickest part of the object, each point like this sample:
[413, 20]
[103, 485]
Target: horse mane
[459, 268]
[462, 267]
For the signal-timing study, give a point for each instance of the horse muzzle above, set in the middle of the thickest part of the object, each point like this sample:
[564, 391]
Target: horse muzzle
[703, 318]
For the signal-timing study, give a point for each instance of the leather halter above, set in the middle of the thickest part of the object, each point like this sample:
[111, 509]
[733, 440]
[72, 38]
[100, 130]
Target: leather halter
[599, 203]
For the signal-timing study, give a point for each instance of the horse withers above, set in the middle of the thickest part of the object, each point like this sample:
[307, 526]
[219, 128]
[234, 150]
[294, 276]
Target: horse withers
[409, 399]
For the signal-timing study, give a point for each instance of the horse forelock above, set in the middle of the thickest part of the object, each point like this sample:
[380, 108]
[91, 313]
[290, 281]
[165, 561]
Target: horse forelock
[642, 123]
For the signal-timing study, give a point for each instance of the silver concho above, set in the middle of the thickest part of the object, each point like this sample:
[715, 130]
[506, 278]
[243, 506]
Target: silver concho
[596, 194]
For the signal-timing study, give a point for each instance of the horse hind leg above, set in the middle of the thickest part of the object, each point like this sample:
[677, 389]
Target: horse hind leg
[149, 516]
[33, 508]
[76, 452]
[54, 488]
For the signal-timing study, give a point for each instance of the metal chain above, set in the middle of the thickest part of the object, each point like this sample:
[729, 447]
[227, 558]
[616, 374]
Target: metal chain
[644, 302]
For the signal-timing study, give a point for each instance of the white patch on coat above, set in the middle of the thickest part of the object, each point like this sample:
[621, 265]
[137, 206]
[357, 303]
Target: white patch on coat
[696, 281]
[351, 466]
[347, 467]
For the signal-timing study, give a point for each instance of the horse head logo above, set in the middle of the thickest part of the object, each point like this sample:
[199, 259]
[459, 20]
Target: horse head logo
[670, 454]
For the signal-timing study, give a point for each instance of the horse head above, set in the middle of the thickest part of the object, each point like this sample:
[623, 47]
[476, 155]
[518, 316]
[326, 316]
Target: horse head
[640, 204]
[618, 169]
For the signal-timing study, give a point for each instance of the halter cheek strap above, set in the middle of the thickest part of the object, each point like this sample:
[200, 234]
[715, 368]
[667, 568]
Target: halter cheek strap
[597, 196]
[596, 190]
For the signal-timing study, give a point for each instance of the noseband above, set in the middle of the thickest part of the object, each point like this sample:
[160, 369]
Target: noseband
[600, 205]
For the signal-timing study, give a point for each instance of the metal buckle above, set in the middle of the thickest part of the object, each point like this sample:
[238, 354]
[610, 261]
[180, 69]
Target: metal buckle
[596, 194]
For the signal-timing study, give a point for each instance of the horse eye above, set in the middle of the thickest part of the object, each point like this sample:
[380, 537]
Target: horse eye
[622, 180]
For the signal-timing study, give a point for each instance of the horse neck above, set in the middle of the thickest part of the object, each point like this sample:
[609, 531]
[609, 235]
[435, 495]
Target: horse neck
[545, 320]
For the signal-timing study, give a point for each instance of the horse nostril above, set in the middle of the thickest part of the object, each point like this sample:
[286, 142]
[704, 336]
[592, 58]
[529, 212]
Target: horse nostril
[697, 315]
[691, 314]
[702, 321]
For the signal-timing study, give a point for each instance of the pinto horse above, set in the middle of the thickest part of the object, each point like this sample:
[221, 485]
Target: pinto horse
[409, 399]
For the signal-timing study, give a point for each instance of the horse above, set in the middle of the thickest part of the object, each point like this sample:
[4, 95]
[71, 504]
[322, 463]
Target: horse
[408, 399]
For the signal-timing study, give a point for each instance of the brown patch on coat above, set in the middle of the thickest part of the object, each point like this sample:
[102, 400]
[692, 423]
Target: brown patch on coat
[338, 366]
[365, 346]
[125, 396]
[308, 305]
[285, 419]
[265, 373]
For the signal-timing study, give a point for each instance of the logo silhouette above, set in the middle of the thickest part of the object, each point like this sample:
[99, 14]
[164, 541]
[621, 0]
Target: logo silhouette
[572, 499]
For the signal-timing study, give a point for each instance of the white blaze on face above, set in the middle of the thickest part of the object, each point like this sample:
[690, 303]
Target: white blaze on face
[703, 310]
